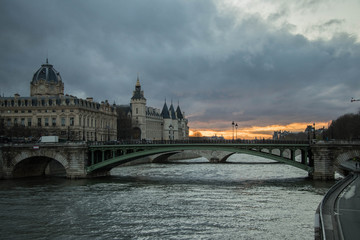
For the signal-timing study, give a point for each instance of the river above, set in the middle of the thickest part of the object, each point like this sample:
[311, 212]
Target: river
[247, 198]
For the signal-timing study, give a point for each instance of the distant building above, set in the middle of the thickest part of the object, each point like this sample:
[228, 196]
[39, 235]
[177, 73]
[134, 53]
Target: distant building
[138, 121]
[280, 135]
[49, 112]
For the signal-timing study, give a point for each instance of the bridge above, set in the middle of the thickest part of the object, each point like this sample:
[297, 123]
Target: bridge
[79, 160]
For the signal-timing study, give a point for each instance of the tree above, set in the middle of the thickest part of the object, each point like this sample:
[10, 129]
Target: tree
[346, 127]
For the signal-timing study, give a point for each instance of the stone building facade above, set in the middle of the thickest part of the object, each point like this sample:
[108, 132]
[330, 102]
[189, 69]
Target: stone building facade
[50, 111]
[150, 123]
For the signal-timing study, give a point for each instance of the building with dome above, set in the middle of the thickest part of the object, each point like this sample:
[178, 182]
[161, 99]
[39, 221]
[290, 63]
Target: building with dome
[49, 112]
[151, 123]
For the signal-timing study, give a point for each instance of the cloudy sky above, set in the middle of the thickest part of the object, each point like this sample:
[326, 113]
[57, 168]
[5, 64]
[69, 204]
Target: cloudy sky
[267, 65]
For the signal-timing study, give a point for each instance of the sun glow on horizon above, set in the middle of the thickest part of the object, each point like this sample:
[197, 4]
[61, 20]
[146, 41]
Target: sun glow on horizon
[253, 132]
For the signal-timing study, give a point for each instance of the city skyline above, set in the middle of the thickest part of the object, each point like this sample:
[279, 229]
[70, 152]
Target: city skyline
[266, 66]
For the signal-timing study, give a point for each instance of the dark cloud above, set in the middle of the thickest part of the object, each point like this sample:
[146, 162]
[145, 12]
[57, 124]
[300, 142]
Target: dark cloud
[220, 69]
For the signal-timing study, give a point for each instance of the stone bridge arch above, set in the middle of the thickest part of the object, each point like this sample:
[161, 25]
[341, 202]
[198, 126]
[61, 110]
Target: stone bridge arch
[28, 160]
[344, 157]
[328, 157]
[31, 164]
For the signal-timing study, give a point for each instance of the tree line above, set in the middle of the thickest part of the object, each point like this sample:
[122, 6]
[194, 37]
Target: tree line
[346, 127]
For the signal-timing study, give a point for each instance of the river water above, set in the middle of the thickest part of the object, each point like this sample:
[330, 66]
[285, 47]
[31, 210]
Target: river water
[247, 198]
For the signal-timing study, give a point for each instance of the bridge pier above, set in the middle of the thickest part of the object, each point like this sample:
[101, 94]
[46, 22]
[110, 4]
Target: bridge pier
[328, 156]
[323, 159]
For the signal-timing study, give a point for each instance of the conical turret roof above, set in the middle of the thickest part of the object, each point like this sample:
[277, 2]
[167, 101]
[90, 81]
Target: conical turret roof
[172, 112]
[179, 113]
[165, 111]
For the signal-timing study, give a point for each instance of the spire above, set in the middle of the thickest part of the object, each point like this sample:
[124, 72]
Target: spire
[179, 113]
[138, 81]
[172, 111]
[138, 94]
[165, 111]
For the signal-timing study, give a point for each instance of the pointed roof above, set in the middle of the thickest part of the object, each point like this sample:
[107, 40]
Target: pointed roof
[138, 94]
[179, 113]
[172, 112]
[138, 82]
[165, 111]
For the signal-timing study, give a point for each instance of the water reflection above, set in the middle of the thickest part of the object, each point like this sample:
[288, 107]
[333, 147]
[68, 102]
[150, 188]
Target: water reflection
[184, 200]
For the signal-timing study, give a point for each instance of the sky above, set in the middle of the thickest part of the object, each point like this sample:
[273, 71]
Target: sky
[266, 65]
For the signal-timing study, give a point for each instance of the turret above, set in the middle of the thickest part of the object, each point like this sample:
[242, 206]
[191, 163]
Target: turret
[138, 108]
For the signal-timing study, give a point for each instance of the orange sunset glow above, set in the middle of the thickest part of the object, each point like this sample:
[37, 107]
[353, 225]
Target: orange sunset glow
[256, 131]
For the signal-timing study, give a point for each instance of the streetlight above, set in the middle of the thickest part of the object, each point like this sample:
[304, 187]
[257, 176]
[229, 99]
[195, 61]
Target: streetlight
[236, 127]
[108, 130]
[84, 133]
[233, 124]
[171, 133]
[314, 133]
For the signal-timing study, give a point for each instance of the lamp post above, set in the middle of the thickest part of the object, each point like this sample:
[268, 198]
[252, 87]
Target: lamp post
[233, 125]
[108, 132]
[314, 137]
[171, 133]
[95, 135]
[236, 127]
[68, 136]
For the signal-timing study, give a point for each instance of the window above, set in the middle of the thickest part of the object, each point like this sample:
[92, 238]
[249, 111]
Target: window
[29, 122]
[71, 121]
[9, 122]
[62, 122]
[23, 122]
[46, 122]
[53, 122]
[39, 122]
[137, 110]
[15, 121]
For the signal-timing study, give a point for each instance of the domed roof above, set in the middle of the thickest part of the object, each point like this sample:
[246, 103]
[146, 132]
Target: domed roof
[48, 73]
